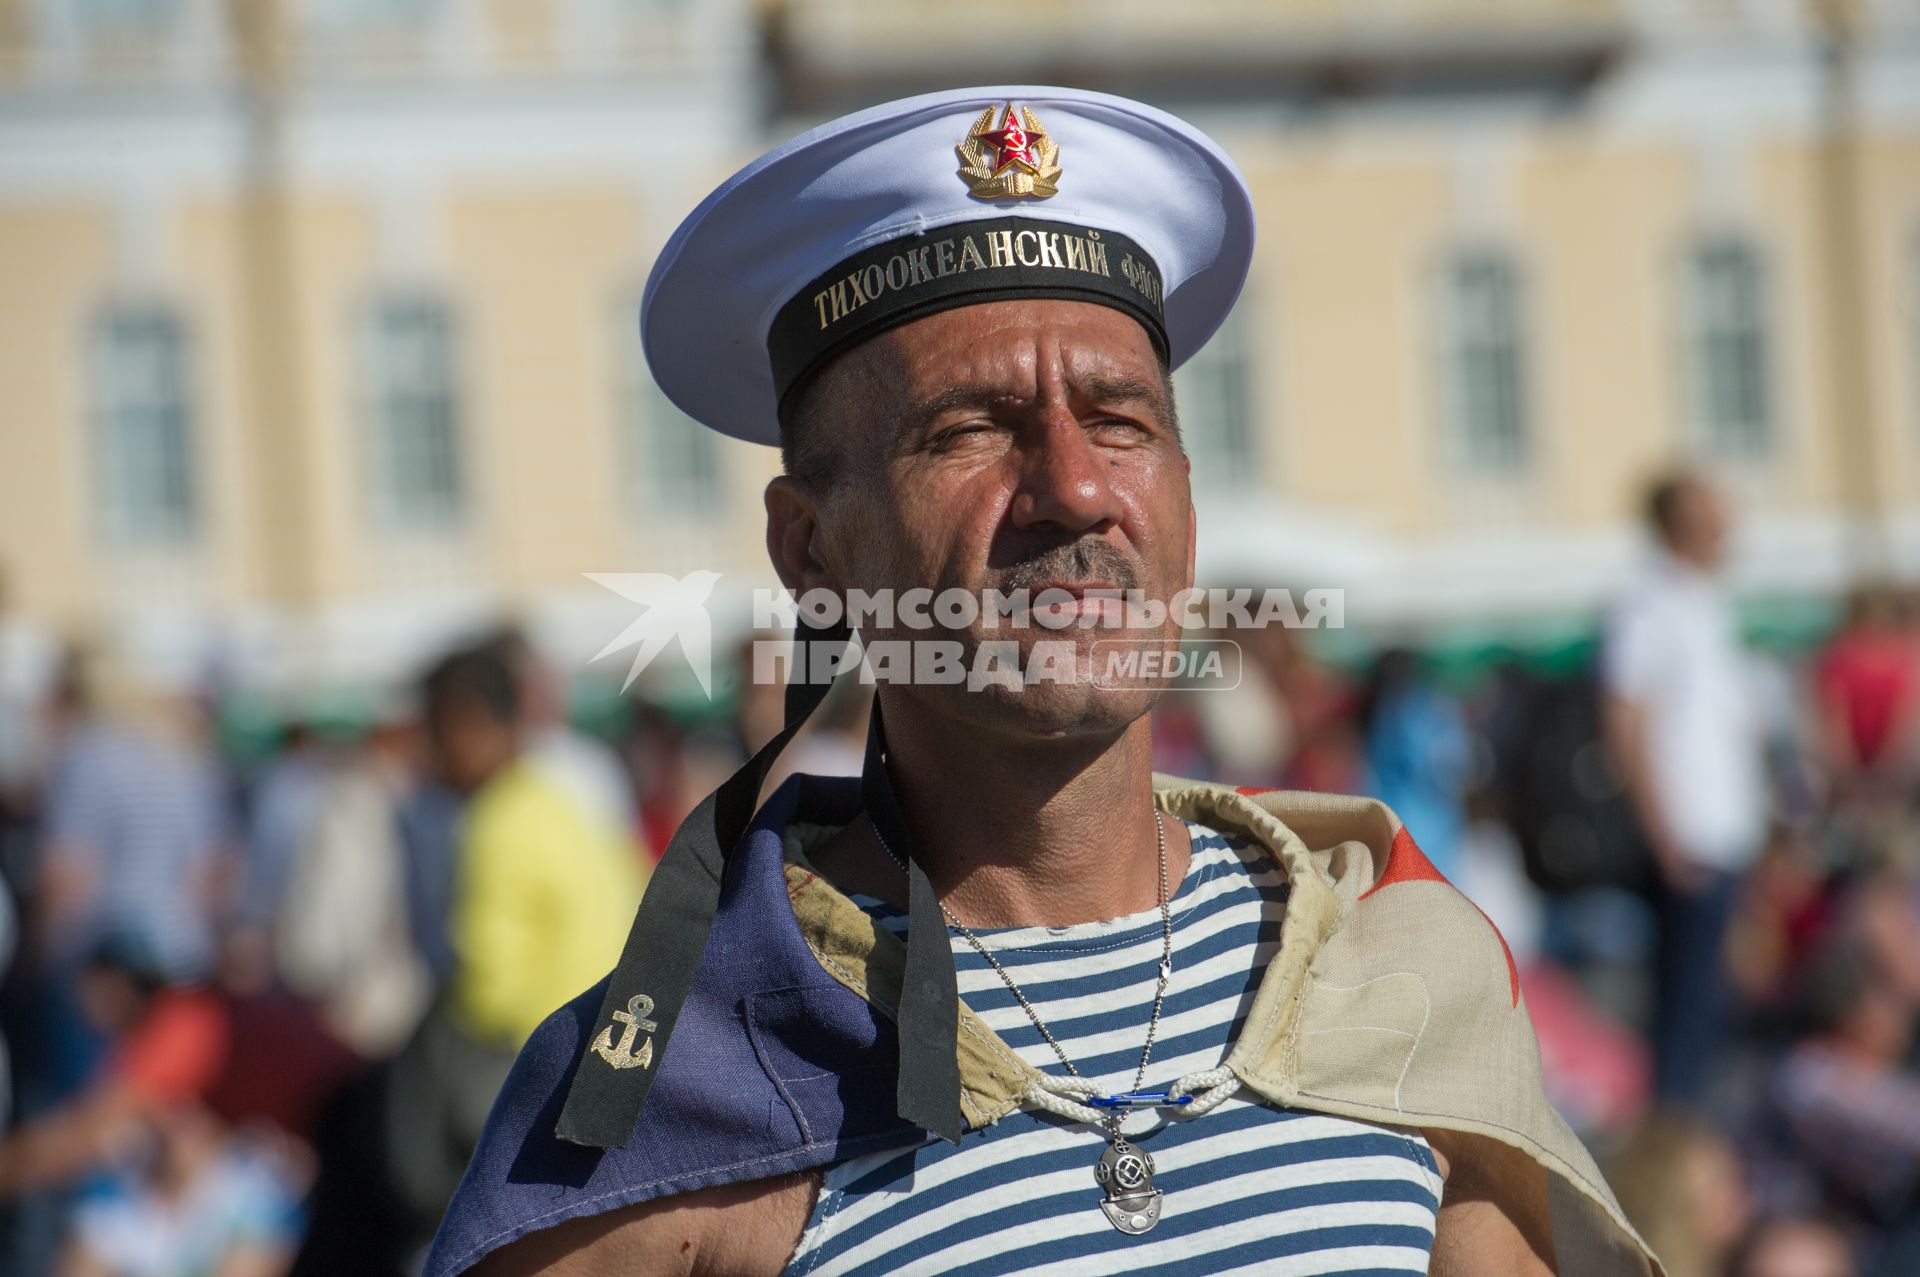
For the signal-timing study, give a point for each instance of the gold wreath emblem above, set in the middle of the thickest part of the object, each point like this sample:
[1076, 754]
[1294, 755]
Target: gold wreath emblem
[1016, 160]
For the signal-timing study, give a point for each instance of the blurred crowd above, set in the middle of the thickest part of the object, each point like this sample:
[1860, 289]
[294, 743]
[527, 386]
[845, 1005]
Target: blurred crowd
[256, 1008]
[256, 1002]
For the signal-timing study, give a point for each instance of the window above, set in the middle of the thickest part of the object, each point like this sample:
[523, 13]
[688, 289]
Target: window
[1727, 356]
[142, 426]
[1485, 357]
[672, 461]
[408, 371]
[1214, 391]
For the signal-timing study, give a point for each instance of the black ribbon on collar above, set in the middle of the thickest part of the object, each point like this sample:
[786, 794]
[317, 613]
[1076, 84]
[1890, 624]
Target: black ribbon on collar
[669, 933]
[928, 1092]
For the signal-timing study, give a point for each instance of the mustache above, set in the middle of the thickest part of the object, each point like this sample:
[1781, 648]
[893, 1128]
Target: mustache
[1088, 557]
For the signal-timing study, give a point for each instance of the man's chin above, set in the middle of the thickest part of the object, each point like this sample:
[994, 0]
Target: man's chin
[1045, 711]
[1084, 711]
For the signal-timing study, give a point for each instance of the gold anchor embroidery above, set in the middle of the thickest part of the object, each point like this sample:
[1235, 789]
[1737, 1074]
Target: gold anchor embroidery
[639, 1007]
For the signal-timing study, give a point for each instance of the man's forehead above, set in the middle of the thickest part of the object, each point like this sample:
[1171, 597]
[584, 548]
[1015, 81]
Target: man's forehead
[1022, 346]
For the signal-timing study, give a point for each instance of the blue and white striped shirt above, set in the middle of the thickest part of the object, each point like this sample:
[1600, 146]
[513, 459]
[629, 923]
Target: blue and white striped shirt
[1249, 1187]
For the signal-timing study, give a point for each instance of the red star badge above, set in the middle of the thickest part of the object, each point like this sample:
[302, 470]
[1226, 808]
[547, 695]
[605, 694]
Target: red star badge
[1015, 161]
[1014, 143]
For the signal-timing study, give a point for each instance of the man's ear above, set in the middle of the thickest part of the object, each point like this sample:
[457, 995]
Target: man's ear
[1193, 534]
[794, 536]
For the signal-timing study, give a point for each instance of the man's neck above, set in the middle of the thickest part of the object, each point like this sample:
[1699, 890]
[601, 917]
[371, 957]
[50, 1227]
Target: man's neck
[1026, 833]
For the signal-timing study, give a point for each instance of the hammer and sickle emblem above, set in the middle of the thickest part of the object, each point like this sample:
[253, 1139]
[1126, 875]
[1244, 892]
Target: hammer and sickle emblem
[623, 1056]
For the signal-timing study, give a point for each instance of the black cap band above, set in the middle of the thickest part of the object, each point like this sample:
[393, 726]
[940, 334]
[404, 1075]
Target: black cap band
[962, 265]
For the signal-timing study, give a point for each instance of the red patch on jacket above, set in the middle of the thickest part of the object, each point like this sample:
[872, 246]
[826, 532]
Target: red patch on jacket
[1407, 863]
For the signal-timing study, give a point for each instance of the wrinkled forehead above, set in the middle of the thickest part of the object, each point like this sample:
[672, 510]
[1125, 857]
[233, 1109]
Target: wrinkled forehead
[1022, 349]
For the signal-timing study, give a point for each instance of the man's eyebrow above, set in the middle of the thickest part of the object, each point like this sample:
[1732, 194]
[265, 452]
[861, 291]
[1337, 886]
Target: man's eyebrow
[953, 398]
[1096, 387]
[1105, 389]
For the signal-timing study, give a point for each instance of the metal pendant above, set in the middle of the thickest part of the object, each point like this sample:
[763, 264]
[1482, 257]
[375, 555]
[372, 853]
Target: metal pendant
[1126, 1172]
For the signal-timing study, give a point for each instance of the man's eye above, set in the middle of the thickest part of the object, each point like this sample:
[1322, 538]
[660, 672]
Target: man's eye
[1120, 429]
[957, 434]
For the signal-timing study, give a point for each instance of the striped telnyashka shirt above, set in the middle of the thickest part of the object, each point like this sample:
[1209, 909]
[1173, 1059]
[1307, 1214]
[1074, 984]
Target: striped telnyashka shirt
[1250, 1188]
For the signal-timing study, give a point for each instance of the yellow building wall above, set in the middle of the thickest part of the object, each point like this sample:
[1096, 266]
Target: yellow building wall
[1345, 237]
[57, 261]
[1347, 387]
[541, 278]
[1603, 229]
[1890, 244]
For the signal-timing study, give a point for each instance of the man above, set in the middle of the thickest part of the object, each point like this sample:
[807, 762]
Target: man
[541, 889]
[253, 1060]
[908, 1022]
[1681, 726]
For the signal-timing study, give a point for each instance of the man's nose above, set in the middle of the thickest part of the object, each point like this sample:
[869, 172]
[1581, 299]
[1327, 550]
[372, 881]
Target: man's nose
[1065, 481]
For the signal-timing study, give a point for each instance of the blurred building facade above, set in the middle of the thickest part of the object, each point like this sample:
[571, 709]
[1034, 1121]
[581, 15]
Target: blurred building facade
[318, 330]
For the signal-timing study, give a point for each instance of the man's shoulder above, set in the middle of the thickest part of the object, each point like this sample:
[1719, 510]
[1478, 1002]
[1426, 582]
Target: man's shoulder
[773, 1068]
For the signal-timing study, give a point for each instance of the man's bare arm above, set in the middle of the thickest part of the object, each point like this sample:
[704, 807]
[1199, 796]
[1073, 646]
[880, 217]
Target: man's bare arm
[69, 1141]
[1493, 1216]
[736, 1230]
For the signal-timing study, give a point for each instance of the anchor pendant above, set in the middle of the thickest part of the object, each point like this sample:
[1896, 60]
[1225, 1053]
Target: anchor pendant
[1133, 1203]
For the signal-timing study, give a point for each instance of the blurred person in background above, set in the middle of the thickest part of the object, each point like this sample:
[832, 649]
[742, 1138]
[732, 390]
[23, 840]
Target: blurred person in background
[1681, 1184]
[544, 888]
[287, 800]
[1686, 742]
[1790, 906]
[428, 823]
[1849, 1111]
[198, 1203]
[341, 937]
[542, 891]
[134, 842]
[1318, 747]
[584, 765]
[1419, 753]
[137, 838]
[655, 755]
[1794, 1246]
[249, 1070]
[1244, 739]
[1867, 688]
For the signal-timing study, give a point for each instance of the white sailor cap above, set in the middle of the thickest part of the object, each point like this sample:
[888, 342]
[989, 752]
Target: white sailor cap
[944, 200]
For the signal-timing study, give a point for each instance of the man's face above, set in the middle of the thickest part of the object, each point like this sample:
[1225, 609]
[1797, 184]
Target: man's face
[1007, 446]
[469, 744]
[1700, 525]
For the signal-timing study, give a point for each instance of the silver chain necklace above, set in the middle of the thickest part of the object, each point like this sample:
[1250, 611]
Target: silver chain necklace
[1132, 1203]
